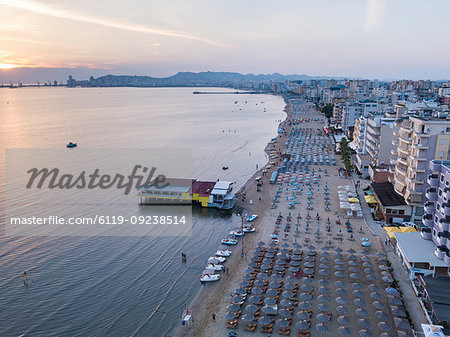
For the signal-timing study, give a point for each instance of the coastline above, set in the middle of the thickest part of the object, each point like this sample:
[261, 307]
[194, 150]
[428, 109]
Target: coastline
[209, 297]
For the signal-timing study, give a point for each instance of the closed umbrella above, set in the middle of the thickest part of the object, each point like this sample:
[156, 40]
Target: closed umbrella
[383, 326]
[363, 323]
[378, 305]
[344, 320]
[361, 312]
[344, 331]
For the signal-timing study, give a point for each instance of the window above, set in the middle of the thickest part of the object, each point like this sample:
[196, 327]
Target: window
[394, 211]
[442, 177]
[388, 210]
[401, 211]
[440, 192]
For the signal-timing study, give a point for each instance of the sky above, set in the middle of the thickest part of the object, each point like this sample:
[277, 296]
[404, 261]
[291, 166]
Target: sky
[395, 39]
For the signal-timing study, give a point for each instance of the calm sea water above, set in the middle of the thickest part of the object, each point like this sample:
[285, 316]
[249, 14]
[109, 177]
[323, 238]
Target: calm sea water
[123, 286]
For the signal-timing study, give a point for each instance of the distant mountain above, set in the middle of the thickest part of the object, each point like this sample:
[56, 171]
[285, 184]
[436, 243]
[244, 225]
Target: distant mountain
[207, 78]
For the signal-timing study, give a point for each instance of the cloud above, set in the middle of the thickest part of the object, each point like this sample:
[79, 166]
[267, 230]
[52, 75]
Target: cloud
[43, 9]
[374, 14]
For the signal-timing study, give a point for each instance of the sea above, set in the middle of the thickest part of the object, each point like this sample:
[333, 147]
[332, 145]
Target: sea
[121, 285]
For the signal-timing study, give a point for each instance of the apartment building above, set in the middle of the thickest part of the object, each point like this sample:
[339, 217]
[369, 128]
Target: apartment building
[379, 137]
[418, 141]
[437, 209]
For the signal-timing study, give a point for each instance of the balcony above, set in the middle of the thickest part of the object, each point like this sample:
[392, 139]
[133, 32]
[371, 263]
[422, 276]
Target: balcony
[404, 150]
[435, 166]
[447, 258]
[429, 207]
[394, 151]
[402, 161]
[444, 224]
[442, 238]
[447, 192]
[433, 180]
[440, 252]
[427, 220]
[393, 161]
[445, 209]
[425, 233]
[431, 194]
[423, 135]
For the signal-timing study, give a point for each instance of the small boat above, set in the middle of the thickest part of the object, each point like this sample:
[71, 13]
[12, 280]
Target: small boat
[213, 259]
[252, 217]
[212, 266]
[224, 253]
[237, 232]
[70, 145]
[209, 278]
[229, 242]
[249, 229]
[225, 167]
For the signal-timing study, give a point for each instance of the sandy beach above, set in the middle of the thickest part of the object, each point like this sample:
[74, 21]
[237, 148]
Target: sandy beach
[334, 256]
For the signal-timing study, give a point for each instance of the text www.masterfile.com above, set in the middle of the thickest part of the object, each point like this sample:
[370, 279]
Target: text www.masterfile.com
[100, 220]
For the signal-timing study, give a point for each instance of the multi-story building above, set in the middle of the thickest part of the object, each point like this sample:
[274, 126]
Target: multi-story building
[437, 209]
[419, 140]
[350, 113]
[379, 137]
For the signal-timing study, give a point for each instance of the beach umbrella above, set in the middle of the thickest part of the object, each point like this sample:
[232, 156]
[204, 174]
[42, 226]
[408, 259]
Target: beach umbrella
[230, 316]
[344, 331]
[285, 303]
[253, 259]
[324, 272]
[366, 252]
[294, 263]
[351, 251]
[247, 318]
[274, 284]
[289, 286]
[276, 277]
[358, 293]
[234, 307]
[237, 298]
[306, 288]
[269, 310]
[383, 267]
[385, 334]
[342, 309]
[261, 243]
[324, 290]
[391, 291]
[381, 315]
[365, 333]
[353, 263]
[270, 301]
[322, 317]
[361, 312]
[340, 284]
[354, 270]
[369, 271]
[378, 305]
[302, 325]
[284, 313]
[305, 296]
[324, 254]
[324, 265]
[272, 292]
[267, 261]
[253, 265]
[264, 320]
[375, 295]
[269, 255]
[339, 274]
[308, 271]
[311, 253]
[266, 267]
[339, 267]
[368, 264]
[291, 279]
[323, 298]
[241, 291]
[323, 282]
[359, 302]
[383, 326]
[287, 294]
[341, 300]
[247, 277]
[339, 261]
[344, 320]
[366, 244]
[387, 279]
[363, 323]
[254, 299]
[294, 269]
[341, 291]
[305, 305]
[251, 308]
[394, 300]
[278, 268]
[259, 283]
[257, 291]
[401, 323]
[398, 311]
[282, 323]
[355, 276]
[244, 284]
[303, 315]
[271, 250]
[309, 264]
[357, 285]
[323, 307]
[307, 280]
[371, 277]
[262, 276]
[310, 259]
[323, 327]
[297, 252]
[365, 259]
[352, 257]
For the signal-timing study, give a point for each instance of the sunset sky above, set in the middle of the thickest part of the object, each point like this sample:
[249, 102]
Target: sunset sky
[358, 38]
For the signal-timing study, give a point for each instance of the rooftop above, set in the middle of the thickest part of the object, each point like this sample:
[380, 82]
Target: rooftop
[437, 288]
[386, 194]
[416, 249]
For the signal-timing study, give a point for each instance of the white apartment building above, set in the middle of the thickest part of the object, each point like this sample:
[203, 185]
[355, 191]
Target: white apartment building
[379, 137]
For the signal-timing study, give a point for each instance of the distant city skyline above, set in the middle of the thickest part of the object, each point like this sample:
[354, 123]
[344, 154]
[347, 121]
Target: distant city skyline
[46, 41]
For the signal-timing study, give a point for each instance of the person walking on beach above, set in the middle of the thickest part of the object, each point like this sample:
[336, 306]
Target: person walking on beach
[214, 317]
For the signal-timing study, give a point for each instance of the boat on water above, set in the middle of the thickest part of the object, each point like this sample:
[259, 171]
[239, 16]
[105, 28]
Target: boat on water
[249, 229]
[229, 242]
[215, 267]
[237, 232]
[224, 253]
[225, 167]
[209, 278]
[216, 259]
[186, 318]
[252, 217]
[71, 145]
